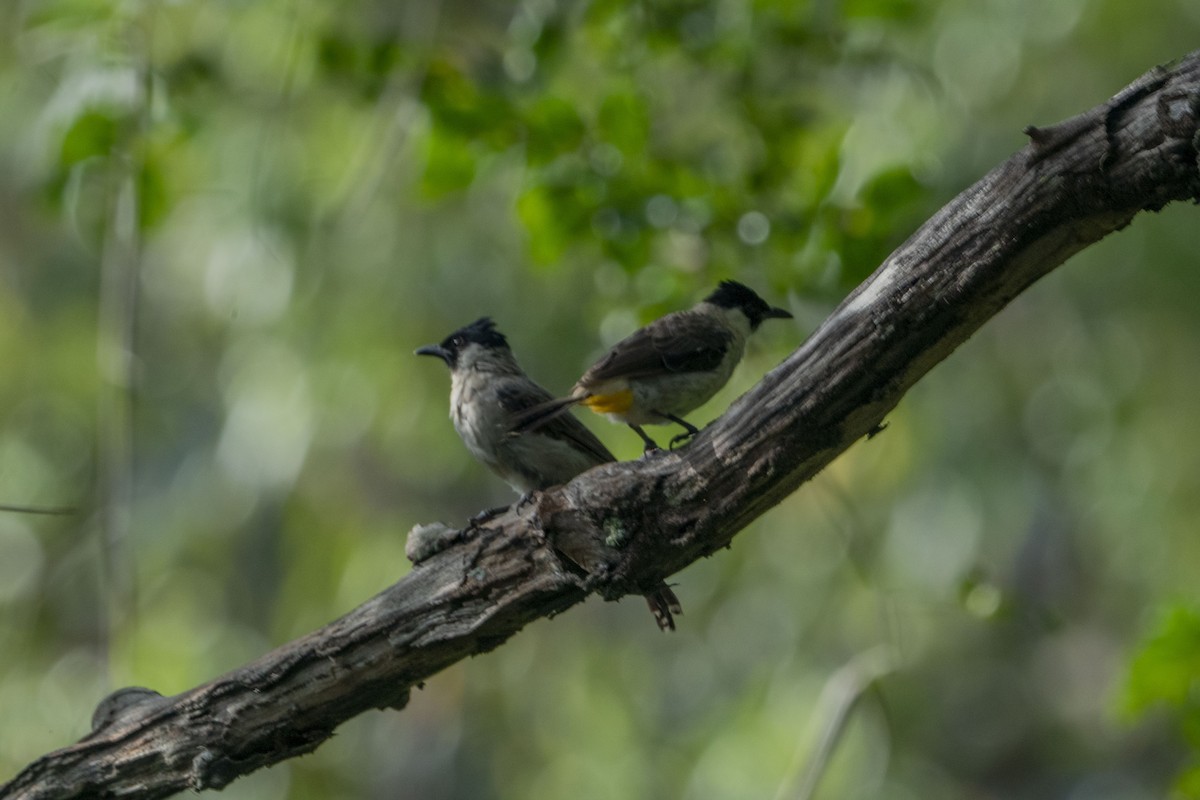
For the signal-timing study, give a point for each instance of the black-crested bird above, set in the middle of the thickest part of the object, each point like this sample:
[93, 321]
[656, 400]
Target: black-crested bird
[670, 367]
[488, 391]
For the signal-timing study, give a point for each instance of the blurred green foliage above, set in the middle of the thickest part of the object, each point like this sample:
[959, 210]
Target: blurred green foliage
[224, 227]
[1166, 673]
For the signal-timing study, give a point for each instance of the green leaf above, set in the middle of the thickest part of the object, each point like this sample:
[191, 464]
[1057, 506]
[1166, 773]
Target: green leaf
[93, 133]
[459, 103]
[552, 128]
[623, 121]
[450, 164]
[539, 214]
[1167, 669]
[153, 197]
[1187, 785]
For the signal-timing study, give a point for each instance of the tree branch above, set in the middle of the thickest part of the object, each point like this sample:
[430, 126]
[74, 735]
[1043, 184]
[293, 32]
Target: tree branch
[622, 528]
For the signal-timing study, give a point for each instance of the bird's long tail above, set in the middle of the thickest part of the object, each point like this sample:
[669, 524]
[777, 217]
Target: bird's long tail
[535, 417]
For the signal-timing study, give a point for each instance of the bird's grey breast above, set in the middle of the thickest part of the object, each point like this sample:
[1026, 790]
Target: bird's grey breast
[478, 418]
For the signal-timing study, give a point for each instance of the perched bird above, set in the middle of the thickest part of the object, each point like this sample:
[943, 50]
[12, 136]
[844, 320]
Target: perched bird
[670, 367]
[488, 390]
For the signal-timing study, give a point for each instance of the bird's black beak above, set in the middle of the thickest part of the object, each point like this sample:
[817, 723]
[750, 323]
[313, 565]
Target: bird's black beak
[777, 313]
[435, 350]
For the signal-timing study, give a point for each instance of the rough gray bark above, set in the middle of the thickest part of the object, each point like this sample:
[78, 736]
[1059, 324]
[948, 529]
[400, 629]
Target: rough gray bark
[622, 528]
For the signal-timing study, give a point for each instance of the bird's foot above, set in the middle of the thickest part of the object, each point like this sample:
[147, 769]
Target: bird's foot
[690, 430]
[683, 437]
[664, 605]
[487, 515]
[650, 444]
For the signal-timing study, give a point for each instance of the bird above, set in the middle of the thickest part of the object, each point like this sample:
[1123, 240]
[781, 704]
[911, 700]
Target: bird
[488, 390]
[670, 367]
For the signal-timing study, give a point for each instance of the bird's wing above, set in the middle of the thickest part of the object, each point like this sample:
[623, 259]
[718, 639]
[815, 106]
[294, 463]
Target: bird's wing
[519, 397]
[686, 341]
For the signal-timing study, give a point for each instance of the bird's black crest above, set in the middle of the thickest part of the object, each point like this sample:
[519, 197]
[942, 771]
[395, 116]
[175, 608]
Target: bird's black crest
[731, 294]
[482, 332]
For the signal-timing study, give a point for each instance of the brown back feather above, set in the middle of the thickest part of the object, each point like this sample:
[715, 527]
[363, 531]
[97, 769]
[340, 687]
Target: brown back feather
[685, 341]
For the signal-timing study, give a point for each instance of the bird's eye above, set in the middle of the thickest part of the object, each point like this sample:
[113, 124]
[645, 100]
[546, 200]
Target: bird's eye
[458, 341]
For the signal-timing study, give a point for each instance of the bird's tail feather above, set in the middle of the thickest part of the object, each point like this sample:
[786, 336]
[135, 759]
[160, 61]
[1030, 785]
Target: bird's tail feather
[535, 417]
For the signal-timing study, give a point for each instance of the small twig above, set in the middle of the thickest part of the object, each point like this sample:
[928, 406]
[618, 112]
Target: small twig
[116, 327]
[838, 698]
[64, 511]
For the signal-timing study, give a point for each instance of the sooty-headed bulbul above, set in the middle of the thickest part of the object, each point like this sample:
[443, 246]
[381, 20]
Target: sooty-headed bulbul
[488, 391]
[670, 367]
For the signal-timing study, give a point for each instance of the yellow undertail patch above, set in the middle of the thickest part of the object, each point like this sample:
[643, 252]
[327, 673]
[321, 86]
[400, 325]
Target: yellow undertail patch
[616, 403]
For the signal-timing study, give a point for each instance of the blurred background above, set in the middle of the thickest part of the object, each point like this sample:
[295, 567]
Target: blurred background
[225, 226]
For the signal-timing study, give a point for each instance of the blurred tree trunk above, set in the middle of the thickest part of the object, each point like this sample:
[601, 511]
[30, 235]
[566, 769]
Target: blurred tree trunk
[623, 528]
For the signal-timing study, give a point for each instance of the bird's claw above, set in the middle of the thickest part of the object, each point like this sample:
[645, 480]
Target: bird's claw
[487, 515]
[683, 437]
[664, 605]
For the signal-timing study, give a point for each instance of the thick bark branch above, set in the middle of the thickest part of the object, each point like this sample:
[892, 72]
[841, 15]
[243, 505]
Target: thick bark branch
[622, 528]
